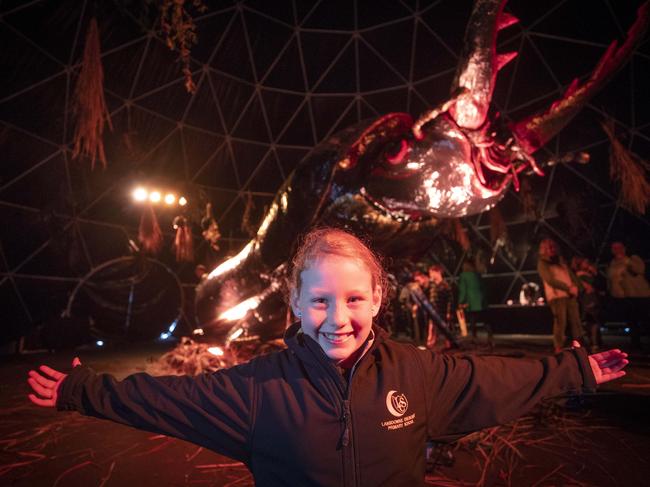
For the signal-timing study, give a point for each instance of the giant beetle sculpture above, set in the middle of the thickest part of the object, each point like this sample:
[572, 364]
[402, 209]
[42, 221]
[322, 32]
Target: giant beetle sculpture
[393, 179]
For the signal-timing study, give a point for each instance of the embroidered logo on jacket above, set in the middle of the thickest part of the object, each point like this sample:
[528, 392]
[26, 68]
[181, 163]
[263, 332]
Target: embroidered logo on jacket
[397, 404]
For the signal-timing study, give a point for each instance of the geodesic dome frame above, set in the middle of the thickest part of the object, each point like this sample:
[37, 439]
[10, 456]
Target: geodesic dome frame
[273, 80]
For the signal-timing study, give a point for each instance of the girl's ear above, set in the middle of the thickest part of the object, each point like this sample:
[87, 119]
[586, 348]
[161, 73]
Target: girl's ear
[376, 300]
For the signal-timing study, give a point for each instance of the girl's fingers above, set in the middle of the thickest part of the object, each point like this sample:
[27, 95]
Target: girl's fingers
[41, 380]
[40, 402]
[613, 363]
[614, 368]
[55, 374]
[76, 362]
[608, 357]
[42, 391]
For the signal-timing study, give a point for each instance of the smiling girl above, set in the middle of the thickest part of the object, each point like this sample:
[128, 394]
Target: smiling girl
[344, 404]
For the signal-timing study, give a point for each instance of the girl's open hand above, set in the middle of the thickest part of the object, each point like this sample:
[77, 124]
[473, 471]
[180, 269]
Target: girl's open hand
[607, 365]
[45, 383]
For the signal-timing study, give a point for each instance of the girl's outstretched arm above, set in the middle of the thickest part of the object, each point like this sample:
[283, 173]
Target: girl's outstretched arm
[45, 383]
[211, 410]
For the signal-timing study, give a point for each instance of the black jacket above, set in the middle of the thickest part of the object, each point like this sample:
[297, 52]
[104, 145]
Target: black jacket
[293, 420]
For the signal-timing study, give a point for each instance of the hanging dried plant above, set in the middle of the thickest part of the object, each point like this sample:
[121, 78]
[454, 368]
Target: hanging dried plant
[497, 225]
[460, 235]
[183, 241]
[210, 228]
[180, 32]
[454, 230]
[89, 104]
[246, 225]
[528, 200]
[149, 232]
[629, 170]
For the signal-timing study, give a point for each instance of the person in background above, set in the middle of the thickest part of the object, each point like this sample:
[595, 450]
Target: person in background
[626, 274]
[420, 316]
[589, 300]
[415, 316]
[471, 298]
[441, 297]
[629, 289]
[561, 287]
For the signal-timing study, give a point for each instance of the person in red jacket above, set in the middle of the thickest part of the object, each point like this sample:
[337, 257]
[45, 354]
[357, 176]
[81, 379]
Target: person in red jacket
[368, 403]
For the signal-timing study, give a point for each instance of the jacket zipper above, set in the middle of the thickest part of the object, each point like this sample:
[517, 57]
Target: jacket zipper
[345, 438]
[346, 418]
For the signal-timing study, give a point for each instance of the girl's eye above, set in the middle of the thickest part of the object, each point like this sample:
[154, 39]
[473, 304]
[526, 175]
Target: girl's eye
[319, 300]
[355, 299]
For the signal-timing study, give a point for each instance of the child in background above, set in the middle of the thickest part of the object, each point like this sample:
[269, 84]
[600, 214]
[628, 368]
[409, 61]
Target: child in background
[344, 404]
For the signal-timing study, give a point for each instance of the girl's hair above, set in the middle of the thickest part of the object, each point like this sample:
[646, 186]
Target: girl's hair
[321, 242]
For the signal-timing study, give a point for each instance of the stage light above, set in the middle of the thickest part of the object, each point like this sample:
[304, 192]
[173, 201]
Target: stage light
[164, 335]
[218, 351]
[182, 201]
[626, 330]
[155, 196]
[170, 199]
[99, 343]
[140, 194]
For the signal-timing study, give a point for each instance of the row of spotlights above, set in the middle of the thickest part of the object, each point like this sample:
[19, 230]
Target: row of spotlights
[141, 195]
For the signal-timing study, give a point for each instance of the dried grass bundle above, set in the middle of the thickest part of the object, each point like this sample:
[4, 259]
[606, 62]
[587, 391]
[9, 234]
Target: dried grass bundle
[89, 104]
[460, 235]
[497, 225]
[193, 358]
[183, 241]
[528, 199]
[453, 229]
[149, 233]
[629, 170]
[246, 225]
[180, 30]
[502, 452]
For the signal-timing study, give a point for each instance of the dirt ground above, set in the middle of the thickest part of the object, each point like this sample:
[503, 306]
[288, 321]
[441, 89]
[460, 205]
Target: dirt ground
[596, 440]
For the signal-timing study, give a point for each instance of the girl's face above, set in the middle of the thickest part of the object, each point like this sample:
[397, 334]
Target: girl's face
[336, 305]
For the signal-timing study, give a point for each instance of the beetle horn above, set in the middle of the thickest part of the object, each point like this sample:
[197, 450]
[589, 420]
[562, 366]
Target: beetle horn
[533, 132]
[479, 63]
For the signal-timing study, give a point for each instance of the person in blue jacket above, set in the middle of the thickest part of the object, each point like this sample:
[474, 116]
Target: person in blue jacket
[343, 404]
